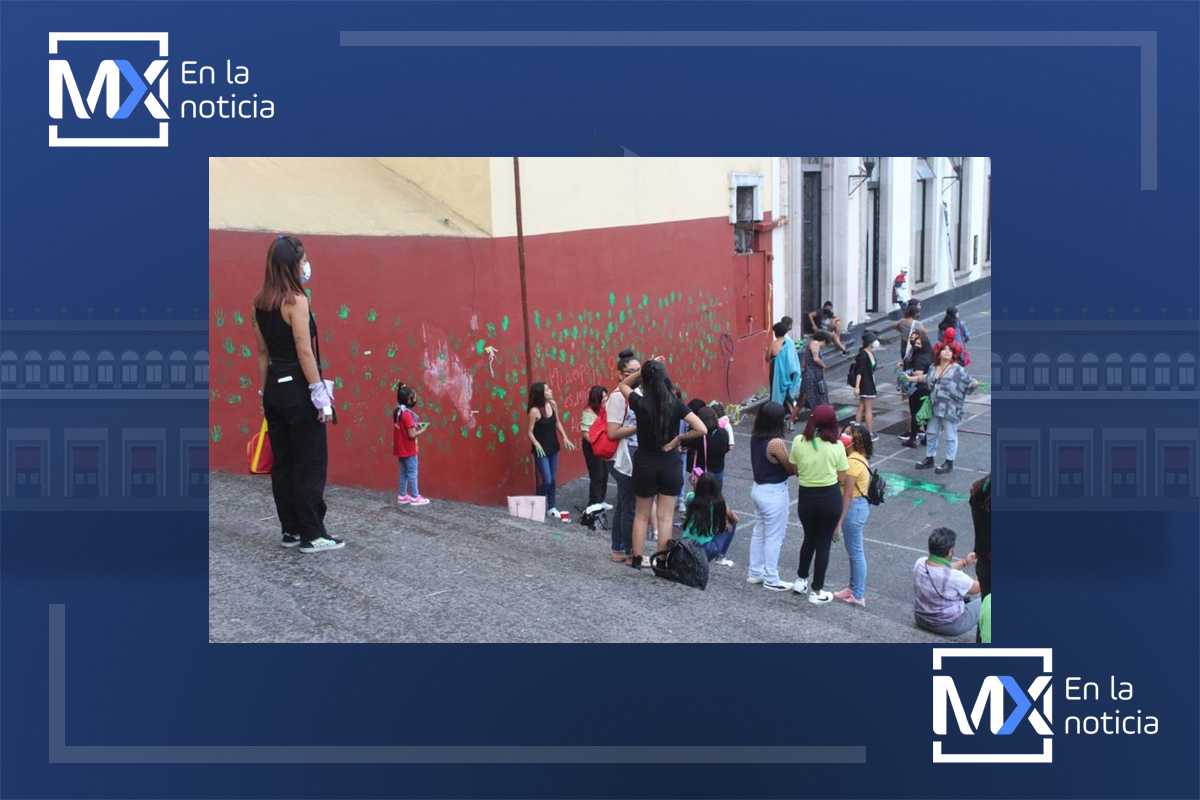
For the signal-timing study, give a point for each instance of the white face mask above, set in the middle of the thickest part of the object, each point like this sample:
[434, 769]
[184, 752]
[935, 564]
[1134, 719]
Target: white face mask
[305, 271]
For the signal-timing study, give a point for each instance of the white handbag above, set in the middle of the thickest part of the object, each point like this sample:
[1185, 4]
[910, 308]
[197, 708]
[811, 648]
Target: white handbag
[531, 507]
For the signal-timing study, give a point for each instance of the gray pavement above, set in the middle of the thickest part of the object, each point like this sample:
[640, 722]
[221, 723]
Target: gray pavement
[453, 572]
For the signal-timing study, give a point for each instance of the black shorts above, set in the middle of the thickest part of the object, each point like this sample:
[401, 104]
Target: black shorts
[659, 473]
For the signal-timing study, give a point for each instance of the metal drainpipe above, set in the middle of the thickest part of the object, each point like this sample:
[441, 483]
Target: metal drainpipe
[521, 261]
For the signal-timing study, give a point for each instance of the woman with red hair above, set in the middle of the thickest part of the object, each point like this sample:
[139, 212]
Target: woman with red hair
[949, 384]
[821, 466]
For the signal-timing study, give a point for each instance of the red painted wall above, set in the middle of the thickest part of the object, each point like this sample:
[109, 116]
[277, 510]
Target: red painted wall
[425, 310]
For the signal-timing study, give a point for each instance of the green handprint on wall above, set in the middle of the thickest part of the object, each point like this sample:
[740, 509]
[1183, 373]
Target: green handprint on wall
[216, 433]
[219, 315]
[372, 315]
[245, 351]
[229, 345]
[237, 317]
[354, 348]
[391, 350]
[343, 312]
[244, 382]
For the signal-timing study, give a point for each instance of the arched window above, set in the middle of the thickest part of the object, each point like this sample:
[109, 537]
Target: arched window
[1114, 371]
[33, 369]
[1137, 371]
[1162, 371]
[129, 368]
[179, 368]
[105, 368]
[1041, 371]
[1066, 371]
[58, 368]
[201, 368]
[154, 372]
[997, 370]
[1016, 371]
[8, 368]
[1089, 371]
[80, 368]
[1187, 371]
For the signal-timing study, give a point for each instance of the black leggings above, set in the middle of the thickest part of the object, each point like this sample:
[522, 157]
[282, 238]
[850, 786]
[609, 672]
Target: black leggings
[597, 474]
[301, 452]
[914, 405]
[820, 509]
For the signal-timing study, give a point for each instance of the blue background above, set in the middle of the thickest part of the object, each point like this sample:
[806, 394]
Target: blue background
[1112, 594]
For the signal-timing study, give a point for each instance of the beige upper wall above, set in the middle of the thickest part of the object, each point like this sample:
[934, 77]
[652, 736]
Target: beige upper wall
[568, 194]
[340, 196]
[461, 183]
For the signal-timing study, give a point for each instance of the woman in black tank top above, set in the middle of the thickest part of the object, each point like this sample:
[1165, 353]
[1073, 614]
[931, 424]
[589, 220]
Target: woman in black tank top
[294, 397]
[545, 427]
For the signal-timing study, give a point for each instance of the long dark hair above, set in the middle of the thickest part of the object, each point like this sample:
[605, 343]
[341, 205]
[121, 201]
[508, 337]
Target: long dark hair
[658, 400]
[925, 350]
[860, 440]
[768, 422]
[981, 494]
[281, 278]
[822, 423]
[706, 514]
[537, 396]
[596, 398]
[913, 309]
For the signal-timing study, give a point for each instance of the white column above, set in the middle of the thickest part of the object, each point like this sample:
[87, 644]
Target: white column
[780, 206]
[842, 267]
[975, 185]
[942, 263]
[896, 183]
[794, 233]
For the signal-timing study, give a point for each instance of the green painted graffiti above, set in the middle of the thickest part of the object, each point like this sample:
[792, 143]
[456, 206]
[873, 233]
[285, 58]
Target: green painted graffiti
[216, 433]
[372, 315]
[898, 484]
[229, 345]
[479, 346]
[219, 317]
[244, 382]
[338, 382]
[491, 329]
[500, 436]
[234, 399]
[391, 351]
[245, 351]
[537, 320]
[504, 323]
[237, 317]
[612, 298]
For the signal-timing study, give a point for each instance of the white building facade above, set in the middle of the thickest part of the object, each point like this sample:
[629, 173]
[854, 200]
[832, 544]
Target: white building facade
[853, 223]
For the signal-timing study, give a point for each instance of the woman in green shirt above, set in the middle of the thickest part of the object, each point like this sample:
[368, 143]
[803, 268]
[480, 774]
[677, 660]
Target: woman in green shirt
[821, 466]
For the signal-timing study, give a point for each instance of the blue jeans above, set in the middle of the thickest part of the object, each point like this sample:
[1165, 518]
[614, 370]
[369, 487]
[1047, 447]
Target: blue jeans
[852, 533]
[720, 476]
[547, 472]
[622, 523]
[934, 429]
[719, 545]
[408, 477]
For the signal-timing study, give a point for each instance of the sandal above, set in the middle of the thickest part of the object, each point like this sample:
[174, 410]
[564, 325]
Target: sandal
[618, 557]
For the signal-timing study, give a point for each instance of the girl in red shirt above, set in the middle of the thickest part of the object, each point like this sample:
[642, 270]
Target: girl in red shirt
[406, 428]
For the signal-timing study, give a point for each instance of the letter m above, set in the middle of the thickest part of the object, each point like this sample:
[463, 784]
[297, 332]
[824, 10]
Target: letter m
[107, 80]
[945, 693]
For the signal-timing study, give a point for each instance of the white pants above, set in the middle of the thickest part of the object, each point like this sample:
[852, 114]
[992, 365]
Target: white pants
[771, 512]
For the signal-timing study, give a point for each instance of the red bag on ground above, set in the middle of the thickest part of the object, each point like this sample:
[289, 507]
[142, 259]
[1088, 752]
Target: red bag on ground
[258, 452]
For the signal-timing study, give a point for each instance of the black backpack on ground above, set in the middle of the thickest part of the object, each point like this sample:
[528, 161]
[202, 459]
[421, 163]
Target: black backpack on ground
[877, 488]
[684, 561]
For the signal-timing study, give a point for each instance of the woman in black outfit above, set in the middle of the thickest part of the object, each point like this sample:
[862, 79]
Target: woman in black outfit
[296, 401]
[656, 466]
[918, 361]
[864, 382]
[708, 453]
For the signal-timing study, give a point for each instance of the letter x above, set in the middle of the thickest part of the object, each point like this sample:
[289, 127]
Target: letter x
[1026, 704]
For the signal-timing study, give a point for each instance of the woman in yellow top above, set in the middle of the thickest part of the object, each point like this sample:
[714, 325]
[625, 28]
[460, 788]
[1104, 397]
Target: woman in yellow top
[821, 466]
[856, 509]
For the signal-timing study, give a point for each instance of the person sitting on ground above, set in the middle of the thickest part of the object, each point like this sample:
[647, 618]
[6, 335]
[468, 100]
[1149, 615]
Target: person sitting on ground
[709, 520]
[945, 600]
[826, 320]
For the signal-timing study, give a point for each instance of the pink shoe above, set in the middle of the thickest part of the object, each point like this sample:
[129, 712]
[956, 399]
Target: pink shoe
[419, 501]
[844, 593]
[403, 500]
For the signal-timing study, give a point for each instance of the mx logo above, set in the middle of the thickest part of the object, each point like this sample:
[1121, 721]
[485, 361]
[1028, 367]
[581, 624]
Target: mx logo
[109, 75]
[993, 690]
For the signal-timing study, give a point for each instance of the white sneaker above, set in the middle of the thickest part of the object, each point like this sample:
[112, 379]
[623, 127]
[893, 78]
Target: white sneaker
[800, 586]
[819, 597]
[777, 586]
[724, 562]
[754, 579]
[554, 513]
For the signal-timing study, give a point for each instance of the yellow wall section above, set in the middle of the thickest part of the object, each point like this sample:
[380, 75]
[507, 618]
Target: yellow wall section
[461, 183]
[340, 196]
[570, 194]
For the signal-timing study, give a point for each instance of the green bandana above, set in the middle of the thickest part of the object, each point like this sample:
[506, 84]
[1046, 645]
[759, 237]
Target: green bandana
[945, 562]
